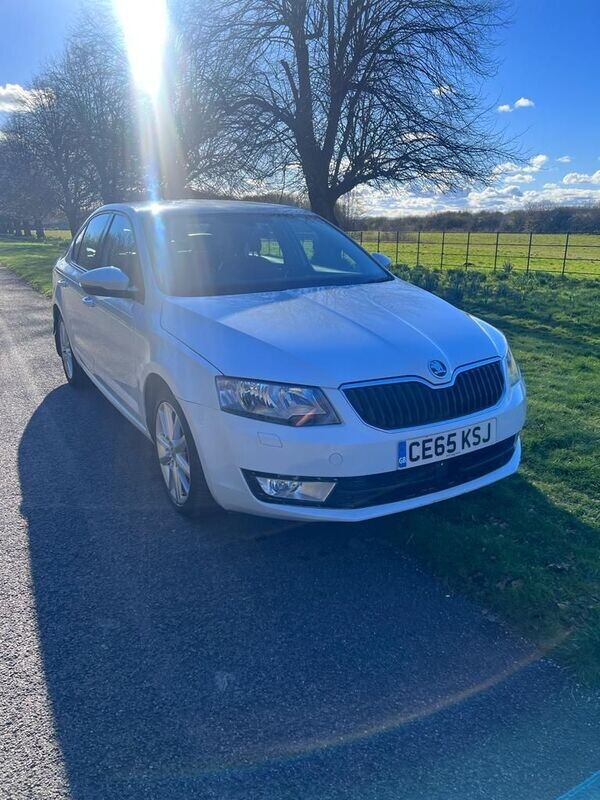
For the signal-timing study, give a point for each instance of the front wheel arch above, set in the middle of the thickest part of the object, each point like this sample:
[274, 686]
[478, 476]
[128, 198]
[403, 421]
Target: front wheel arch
[55, 317]
[153, 385]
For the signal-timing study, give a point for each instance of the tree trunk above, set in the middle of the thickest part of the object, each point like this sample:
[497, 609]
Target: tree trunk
[323, 203]
[39, 229]
[26, 229]
[73, 216]
[108, 195]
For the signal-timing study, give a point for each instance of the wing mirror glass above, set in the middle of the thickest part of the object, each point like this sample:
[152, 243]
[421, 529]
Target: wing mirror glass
[383, 260]
[107, 282]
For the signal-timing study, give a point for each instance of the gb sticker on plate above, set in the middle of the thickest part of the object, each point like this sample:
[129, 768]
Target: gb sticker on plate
[401, 455]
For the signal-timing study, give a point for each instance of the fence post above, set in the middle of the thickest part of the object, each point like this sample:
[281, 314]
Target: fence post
[529, 250]
[496, 253]
[360, 237]
[397, 242]
[418, 246]
[564, 264]
[442, 253]
[468, 247]
[378, 240]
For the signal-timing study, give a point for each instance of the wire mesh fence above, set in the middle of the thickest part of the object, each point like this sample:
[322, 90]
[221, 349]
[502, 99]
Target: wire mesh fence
[563, 254]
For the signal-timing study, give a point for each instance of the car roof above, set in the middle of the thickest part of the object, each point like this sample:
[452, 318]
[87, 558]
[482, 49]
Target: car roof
[206, 206]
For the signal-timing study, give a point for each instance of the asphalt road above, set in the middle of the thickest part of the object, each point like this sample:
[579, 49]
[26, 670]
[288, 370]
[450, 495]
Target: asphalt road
[144, 656]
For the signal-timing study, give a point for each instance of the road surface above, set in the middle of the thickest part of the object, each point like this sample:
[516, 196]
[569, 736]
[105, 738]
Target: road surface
[143, 656]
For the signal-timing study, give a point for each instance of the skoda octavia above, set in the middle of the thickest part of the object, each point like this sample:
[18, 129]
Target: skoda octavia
[278, 368]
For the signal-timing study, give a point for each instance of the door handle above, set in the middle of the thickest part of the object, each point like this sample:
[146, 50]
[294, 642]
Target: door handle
[61, 282]
[88, 300]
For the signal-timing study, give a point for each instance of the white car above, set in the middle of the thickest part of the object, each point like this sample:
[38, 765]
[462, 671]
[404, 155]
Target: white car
[278, 368]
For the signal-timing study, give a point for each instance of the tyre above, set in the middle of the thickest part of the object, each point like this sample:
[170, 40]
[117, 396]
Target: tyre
[178, 459]
[73, 372]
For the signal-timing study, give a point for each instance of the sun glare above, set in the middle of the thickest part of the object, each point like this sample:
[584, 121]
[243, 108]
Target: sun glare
[145, 29]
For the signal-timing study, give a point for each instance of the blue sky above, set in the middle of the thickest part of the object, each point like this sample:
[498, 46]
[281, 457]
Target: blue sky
[549, 57]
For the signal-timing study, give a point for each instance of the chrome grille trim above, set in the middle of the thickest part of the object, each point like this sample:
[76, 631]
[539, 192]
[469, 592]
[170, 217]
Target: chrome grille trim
[411, 402]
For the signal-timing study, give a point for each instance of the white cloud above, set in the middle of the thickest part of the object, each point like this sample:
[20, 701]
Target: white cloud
[505, 196]
[515, 187]
[510, 169]
[536, 163]
[522, 102]
[440, 91]
[399, 201]
[414, 136]
[504, 167]
[564, 159]
[14, 97]
[519, 177]
[513, 197]
[582, 177]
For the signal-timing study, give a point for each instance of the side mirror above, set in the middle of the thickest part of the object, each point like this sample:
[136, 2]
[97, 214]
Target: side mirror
[383, 260]
[107, 282]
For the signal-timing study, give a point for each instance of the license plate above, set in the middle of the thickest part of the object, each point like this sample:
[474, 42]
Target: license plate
[439, 446]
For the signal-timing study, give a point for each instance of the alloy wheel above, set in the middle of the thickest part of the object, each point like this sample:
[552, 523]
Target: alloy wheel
[66, 352]
[173, 453]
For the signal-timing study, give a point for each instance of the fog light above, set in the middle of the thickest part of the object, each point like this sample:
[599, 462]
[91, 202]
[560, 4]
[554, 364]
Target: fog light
[290, 489]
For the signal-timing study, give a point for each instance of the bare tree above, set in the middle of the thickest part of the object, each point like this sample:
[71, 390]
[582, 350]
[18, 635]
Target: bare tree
[46, 129]
[338, 93]
[92, 80]
[27, 193]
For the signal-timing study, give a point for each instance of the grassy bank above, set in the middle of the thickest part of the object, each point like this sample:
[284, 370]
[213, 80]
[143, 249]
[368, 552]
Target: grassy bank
[33, 260]
[528, 548]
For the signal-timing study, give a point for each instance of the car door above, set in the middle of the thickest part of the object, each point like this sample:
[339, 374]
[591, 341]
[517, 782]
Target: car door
[120, 347]
[76, 306]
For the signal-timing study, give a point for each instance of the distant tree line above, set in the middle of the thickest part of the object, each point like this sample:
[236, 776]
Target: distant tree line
[535, 219]
[311, 99]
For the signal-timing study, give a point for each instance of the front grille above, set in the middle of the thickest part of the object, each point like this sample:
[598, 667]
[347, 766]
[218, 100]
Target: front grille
[404, 484]
[410, 403]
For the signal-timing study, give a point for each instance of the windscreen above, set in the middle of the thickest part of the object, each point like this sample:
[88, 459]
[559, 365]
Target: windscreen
[216, 254]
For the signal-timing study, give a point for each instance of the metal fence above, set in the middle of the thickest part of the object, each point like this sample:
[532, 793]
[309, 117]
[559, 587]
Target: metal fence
[563, 254]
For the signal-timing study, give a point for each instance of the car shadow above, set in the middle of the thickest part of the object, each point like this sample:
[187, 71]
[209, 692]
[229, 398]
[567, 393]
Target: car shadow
[178, 651]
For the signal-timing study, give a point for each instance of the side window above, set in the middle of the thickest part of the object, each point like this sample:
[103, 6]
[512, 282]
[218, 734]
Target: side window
[88, 256]
[76, 243]
[120, 250]
[270, 248]
[326, 254]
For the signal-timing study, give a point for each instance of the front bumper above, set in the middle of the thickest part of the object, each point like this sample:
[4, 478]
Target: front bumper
[361, 458]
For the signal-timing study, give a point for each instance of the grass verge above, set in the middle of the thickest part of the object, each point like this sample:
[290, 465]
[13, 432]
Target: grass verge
[528, 548]
[33, 260]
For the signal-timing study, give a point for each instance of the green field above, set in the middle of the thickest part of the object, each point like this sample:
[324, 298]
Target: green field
[33, 260]
[547, 250]
[528, 548]
[58, 234]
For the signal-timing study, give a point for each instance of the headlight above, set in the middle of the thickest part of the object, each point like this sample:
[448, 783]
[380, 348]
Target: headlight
[274, 402]
[512, 368]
